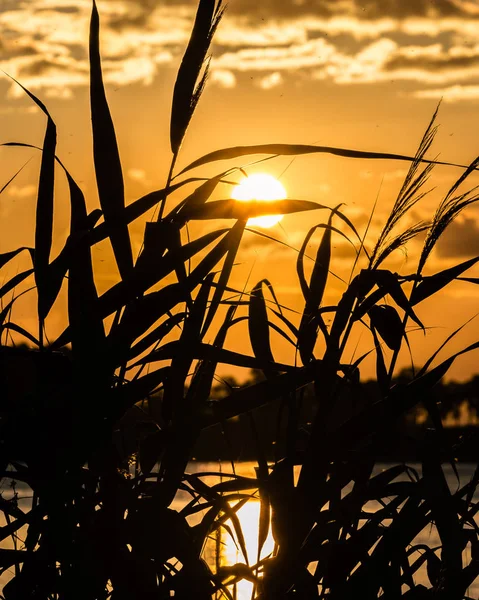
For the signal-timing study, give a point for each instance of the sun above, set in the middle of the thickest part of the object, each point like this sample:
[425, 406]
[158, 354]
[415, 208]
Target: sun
[260, 186]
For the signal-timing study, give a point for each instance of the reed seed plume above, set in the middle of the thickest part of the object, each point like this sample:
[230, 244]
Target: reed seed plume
[410, 192]
[399, 241]
[450, 207]
[190, 82]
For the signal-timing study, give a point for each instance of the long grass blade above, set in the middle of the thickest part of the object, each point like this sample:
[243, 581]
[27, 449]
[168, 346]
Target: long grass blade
[310, 320]
[7, 256]
[433, 283]
[233, 240]
[14, 281]
[203, 351]
[258, 327]
[238, 210]
[13, 177]
[108, 170]
[44, 215]
[386, 321]
[300, 149]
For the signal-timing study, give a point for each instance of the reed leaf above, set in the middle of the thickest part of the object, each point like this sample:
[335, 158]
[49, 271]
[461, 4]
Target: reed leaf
[258, 326]
[446, 519]
[238, 210]
[13, 177]
[18, 329]
[386, 321]
[255, 396]
[431, 284]
[7, 256]
[44, 214]
[156, 335]
[108, 170]
[196, 200]
[233, 240]
[203, 351]
[153, 269]
[381, 371]
[315, 291]
[202, 381]
[127, 395]
[300, 149]
[12, 283]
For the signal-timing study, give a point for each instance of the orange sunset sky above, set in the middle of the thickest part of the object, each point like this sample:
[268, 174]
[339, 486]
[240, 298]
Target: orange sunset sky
[356, 74]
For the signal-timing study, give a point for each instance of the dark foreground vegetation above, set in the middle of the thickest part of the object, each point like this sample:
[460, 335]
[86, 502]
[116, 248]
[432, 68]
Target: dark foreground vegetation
[85, 428]
[457, 402]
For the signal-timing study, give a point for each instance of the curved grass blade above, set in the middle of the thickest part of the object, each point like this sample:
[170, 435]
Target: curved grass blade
[151, 307]
[108, 170]
[184, 413]
[44, 214]
[262, 473]
[6, 311]
[233, 240]
[310, 319]
[156, 335]
[4, 187]
[14, 281]
[258, 327]
[57, 271]
[257, 395]
[173, 399]
[85, 321]
[18, 329]
[147, 274]
[126, 396]
[197, 199]
[433, 283]
[381, 371]
[386, 321]
[446, 520]
[203, 351]
[300, 149]
[202, 382]
[238, 210]
[7, 256]
[388, 283]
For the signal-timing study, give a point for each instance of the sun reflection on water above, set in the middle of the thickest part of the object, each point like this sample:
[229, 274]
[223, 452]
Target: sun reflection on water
[231, 553]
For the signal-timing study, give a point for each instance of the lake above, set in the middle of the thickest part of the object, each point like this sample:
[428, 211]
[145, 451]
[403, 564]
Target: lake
[223, 548]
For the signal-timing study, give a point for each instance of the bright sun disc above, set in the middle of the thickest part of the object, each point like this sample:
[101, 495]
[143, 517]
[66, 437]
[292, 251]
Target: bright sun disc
[260, 187]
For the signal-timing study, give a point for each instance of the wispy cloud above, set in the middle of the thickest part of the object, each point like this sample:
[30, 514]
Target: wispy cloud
[343, 41]
[461, 239]
[451, 94]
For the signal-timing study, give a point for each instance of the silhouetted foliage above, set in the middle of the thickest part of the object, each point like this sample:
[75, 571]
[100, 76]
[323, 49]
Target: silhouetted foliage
[95, 439]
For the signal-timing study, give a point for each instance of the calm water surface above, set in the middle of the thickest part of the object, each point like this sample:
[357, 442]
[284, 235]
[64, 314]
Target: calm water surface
[249, 518]
[223, 548]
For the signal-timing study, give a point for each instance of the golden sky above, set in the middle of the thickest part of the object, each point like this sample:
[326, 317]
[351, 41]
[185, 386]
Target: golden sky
[357, 74]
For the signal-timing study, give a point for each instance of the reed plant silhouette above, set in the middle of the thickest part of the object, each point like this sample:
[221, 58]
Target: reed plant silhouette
[104, 442]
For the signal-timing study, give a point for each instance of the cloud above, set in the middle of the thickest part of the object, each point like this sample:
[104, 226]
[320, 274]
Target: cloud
[271, 81]
[460, 240]
[44, 42]
[223, 78]
[21, 191]
[451, 94]
[296, 56]
[136, 174]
